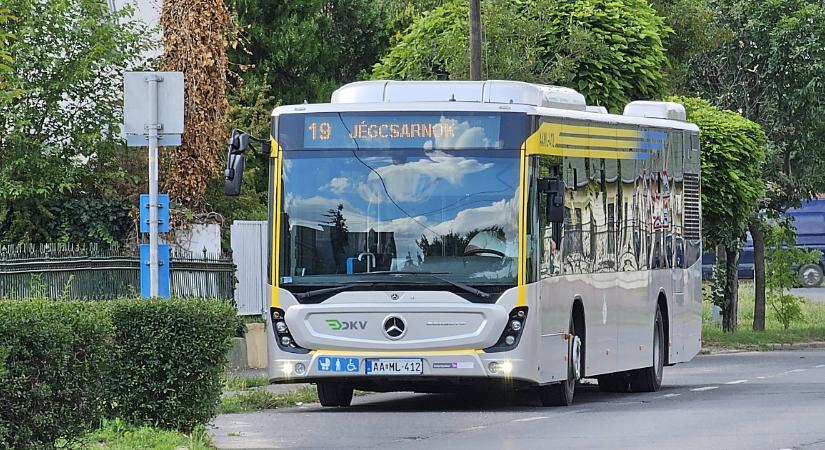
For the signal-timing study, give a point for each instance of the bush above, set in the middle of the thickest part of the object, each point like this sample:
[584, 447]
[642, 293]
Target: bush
[168, 357]
[54, 370]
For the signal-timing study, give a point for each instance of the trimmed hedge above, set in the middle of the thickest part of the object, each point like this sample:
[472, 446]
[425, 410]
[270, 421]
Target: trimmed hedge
[69, 364]
[54, 370]
[168, 359]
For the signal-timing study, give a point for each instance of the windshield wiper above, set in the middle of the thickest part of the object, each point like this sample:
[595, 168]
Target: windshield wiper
[332, 290]
[435, 275]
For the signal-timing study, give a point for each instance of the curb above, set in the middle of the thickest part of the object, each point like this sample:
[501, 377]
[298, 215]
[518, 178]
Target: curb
[764, 348]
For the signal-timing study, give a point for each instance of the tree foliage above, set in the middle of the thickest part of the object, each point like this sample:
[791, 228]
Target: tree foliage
[771, 69]
[197, 47]
[59, 133]
[732, 154]
[305, 50]
[610, 51]
[696, 30]
[5, 58]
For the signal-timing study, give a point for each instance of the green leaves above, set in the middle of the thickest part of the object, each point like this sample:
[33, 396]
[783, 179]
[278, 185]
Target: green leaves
[732, 154]
[55, 368]
[767, 62]
[67, 364]
[168, 357]
[611, 51]
[61, 128]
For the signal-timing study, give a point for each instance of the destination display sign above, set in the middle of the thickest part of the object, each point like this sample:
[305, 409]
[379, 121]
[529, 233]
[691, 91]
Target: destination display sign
[431, 131]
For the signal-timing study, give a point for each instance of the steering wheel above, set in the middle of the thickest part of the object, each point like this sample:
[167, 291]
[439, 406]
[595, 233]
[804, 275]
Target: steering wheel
[483, 251]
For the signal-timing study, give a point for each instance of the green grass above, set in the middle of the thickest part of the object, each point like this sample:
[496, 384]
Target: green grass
[117, 435]
[235, 382]
[255, 400]
[811, 328]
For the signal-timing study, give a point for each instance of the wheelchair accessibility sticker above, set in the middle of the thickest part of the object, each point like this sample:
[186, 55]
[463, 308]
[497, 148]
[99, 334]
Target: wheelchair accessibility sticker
[334, 364]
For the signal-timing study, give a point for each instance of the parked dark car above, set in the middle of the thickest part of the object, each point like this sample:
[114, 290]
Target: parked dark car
[809, 221]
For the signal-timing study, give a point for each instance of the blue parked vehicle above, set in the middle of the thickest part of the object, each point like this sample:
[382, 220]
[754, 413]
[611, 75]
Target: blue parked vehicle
[809, 221]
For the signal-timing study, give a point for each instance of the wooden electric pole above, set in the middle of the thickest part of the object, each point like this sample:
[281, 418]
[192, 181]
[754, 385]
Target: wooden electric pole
[475, 39]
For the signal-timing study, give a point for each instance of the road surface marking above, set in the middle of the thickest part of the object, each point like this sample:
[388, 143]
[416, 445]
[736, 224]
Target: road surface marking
[530, 419]
[670, 395]
[760, 378]
[706, 388]
[737, 382]
[476, 428]
[796, 370]
[820, 366]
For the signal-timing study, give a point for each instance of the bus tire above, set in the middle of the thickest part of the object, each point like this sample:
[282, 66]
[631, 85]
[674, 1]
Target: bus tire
[614, 382]
[561, 394]
[334, 394]
[810, 275]
[649, 379]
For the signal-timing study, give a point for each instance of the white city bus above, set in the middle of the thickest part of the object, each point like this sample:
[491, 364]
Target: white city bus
[434, 235]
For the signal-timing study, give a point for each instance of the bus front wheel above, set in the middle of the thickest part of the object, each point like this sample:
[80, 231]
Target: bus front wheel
[334, 394]
[561, 394]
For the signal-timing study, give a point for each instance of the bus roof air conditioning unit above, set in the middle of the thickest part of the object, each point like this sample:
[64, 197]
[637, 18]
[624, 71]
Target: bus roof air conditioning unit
[493, 91]
[656, 110]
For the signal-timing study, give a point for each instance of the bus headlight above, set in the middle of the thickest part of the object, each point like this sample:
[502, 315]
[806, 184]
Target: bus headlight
[283, 337]
[511, 335]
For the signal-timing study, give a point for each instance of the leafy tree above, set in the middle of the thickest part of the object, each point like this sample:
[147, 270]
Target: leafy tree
[5, 58]
[610, 51]
[770, 67]
[305, 50]
[733, 150]
[783, 255]
[59, 135]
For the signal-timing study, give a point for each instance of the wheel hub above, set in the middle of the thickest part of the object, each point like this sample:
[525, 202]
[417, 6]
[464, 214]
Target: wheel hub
[576, 357]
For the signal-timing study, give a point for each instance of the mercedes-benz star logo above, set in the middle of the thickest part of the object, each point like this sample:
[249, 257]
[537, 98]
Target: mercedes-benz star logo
[394, 327]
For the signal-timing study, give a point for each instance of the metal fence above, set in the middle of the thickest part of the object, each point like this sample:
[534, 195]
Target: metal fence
[97, 272]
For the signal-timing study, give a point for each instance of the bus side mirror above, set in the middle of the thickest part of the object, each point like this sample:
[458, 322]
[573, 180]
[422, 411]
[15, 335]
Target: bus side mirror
[235, 161]
[233, 175]
[553, 187]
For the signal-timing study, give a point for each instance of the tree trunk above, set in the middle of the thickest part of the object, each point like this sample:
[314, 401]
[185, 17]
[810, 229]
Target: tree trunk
[475, 40]
[758, 234]
[731, 312]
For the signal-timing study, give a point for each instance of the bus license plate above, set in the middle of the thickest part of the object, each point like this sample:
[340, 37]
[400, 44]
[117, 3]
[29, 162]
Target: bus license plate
[395, 366]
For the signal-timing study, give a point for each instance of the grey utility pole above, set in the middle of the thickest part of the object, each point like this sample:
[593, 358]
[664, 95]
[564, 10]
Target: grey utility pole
[153, 127]
[475, 40]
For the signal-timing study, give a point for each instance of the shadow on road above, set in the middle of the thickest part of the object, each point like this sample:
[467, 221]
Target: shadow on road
[489, 400]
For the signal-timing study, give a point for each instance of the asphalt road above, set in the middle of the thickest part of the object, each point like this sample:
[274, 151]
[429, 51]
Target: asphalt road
[816, 294]
[772, 400]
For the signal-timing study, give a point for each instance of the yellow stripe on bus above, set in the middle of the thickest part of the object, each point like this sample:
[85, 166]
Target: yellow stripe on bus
[276, 227]
[274, 147]
[549, 138]
[522, 231]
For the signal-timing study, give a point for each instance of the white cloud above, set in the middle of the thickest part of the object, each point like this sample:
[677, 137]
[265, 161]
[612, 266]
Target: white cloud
[339, 185]
[415, 181]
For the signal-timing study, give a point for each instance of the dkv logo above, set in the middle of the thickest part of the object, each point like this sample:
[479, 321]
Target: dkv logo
[337, 325]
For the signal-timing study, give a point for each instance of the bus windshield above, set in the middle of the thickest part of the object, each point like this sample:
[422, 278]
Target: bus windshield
[351, 212]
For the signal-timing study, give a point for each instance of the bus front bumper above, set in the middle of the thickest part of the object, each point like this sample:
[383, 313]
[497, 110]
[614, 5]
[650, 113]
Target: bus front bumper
[361, 366]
